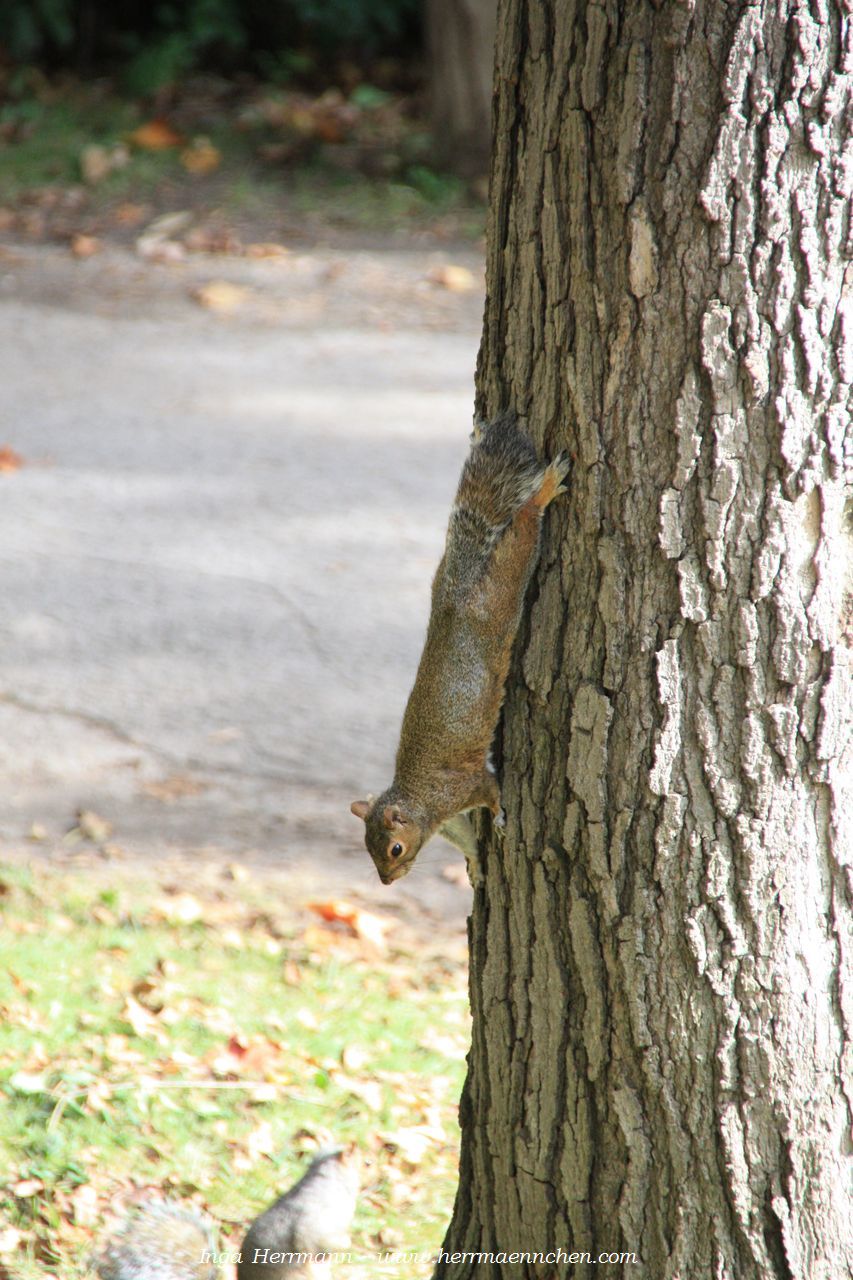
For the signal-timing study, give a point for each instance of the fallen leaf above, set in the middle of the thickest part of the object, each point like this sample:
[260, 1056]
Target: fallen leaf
[10, 1238]
[28, 1082]
[155, 135]
[456, 279]
[175, 787]
[221, 295]
[92, 826]
[412, 1144]
[364, 924]
[9, 460]
[370, 1092]
[141, 1021]
[165, 251]
[183, 908]
[266, 250]
[212, 240]
[129, 214]
[85, 246]
[94, 163]
[355, 1057]
[84, 1205]
[201, 157]
[168, 224]
[27, 1187]
[97, 162]
[261, 1141]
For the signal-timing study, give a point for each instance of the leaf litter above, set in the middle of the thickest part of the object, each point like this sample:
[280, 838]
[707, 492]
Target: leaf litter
[331, 1038]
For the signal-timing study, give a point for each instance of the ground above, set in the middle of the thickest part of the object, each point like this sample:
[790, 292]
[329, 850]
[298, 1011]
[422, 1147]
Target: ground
[217, 552]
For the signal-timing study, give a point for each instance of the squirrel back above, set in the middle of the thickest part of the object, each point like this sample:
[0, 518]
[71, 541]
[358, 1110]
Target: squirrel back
[166, 1242]
[312, 1218]
[442, 766]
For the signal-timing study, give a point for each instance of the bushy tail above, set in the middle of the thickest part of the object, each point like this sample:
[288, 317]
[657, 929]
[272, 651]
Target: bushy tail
[159, 1241]
[500, 475]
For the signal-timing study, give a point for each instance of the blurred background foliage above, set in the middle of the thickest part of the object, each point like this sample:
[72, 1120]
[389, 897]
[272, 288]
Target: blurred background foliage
[371, 115]
[153, 45]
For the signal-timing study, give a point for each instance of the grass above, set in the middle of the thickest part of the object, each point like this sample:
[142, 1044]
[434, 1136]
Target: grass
[50, 130]
[202, 1046]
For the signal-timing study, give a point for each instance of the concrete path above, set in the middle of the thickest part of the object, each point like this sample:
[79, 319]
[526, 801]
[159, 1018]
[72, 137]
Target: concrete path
[215, 562]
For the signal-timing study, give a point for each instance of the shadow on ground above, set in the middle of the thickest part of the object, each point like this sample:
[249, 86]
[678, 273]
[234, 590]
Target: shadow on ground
[216, 555]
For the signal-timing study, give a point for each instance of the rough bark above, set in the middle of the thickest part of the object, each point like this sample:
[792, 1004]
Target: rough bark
[661, 951]
[461, 44]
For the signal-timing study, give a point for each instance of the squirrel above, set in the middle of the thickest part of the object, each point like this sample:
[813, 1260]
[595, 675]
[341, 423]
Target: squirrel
[442, 767]
[286, 1241]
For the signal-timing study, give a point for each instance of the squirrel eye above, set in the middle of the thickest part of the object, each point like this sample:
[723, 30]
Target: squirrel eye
[396, 850]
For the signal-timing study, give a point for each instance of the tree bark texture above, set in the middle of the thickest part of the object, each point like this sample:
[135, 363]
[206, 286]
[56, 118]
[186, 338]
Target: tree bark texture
[661, 952]
[461, 45]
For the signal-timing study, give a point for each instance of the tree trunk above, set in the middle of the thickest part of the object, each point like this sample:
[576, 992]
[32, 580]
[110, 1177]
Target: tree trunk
[661, 978]
[461, 45]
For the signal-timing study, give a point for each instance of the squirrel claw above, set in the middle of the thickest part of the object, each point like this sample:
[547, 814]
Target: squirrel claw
[500, 820]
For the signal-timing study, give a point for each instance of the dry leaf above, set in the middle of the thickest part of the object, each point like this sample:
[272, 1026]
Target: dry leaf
[175, 787]
[84, 1205]
[168, 224]
[261, 1141]
[412, 1144]
[27, 1187]
[168, 252]
[456, 279]
[264, 250]
[183, 908]
[201, 157]
[85, 246]
[129, 214]
[370, 1092]
[95, 163]
[221, 295]
[10, 1238]
[363, 924]
[92, 826]
[155, 135]
[355, 1057]
[143, 1023]
[9, 460]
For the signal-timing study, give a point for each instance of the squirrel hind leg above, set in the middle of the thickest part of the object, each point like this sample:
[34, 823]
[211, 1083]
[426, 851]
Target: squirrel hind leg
[551, 485]
[501, 474]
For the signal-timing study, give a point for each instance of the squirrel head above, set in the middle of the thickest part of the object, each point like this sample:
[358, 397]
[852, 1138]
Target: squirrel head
[392, 834]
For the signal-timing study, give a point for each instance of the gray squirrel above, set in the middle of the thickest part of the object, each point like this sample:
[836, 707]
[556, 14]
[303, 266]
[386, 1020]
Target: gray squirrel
[289, 1240]
[442, 768]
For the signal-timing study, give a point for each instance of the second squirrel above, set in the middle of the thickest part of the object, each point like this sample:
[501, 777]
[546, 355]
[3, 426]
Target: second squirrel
[442, 766]
[289, 1241]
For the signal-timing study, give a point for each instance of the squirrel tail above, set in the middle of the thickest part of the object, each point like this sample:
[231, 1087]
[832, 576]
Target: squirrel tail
[160, 1241]
[500, 475]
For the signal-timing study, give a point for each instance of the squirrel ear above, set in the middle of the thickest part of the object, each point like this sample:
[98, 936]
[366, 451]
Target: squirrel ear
[361, 808]
[392, 817]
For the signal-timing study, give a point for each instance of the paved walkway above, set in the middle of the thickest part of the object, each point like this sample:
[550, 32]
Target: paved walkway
[215, 562]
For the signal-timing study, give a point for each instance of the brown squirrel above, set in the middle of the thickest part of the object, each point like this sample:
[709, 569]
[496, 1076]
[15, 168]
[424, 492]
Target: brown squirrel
[442, 767]
[288, 1240]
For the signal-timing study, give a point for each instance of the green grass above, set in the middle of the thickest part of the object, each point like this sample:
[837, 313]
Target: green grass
[206, 1058]
[53, 129]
